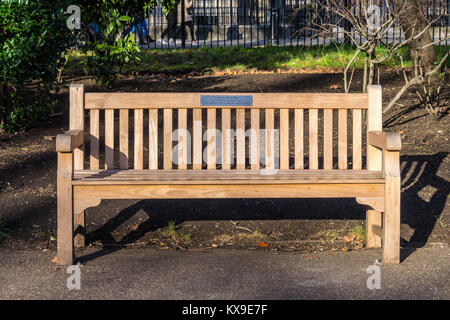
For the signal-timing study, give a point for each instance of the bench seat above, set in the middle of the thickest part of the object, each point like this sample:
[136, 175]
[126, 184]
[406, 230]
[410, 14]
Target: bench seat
[91, 186]
[143, 177]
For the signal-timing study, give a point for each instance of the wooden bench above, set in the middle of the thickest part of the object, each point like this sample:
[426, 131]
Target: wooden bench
[273, 145]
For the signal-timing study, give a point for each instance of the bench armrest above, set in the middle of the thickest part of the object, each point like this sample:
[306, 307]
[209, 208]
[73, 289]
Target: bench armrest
[69, 141]
[385, 140]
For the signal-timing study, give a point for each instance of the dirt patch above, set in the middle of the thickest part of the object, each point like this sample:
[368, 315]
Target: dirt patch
[28, 184]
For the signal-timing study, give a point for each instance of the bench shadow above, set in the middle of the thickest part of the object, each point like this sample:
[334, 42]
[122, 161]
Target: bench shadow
[419, 177]
[418, 172]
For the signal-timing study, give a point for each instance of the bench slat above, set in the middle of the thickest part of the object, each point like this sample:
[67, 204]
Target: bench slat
[94, 155]
[167, 139]
[211, 138]
[357, 140]
[226, 177]
[270, 139]
[240, 139]
[156, 100]
[109, 139]
[328, 139]
[284, 139]
[299, 139]
[226, 139]
[342, 139]
[138, 139]
[182, 139]
[123, 136]
[86, 195]
[336, 173]
[313, 139]
[197, 139]
[255, 150]
[153, 139]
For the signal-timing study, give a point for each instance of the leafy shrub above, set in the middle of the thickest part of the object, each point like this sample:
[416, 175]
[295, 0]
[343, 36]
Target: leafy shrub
[33, 39]
[33, 36]
[105, 58]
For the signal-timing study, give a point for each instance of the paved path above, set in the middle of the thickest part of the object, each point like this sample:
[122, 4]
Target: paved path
[225, 274]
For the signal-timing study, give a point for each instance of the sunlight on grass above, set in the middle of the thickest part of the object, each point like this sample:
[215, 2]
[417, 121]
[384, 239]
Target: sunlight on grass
[177, 235]
[246, 59]
[359, 232]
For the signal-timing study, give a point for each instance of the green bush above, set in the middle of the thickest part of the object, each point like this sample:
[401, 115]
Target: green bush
[33, 38]
[105, 58]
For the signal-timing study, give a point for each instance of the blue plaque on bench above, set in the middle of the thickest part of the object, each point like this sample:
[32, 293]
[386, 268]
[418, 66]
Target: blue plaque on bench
[226, 101]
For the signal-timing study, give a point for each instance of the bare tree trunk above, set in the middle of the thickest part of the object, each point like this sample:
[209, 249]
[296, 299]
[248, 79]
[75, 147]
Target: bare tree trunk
[347, 25]
[412, 23]
[371, 73]
[371, 67]
[366, 63]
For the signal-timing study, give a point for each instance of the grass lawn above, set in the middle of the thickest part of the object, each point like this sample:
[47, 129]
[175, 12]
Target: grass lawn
[250, 59]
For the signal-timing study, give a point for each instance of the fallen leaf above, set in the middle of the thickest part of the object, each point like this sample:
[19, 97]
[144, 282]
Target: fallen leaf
[334, 86]
[345, 249]
[357, 248]
[55, 259]
[214, 245]
[262, 244]
[349, 238]
[52, 238]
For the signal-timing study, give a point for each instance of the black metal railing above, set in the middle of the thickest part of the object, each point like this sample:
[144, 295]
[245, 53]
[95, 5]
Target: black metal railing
[254, 23]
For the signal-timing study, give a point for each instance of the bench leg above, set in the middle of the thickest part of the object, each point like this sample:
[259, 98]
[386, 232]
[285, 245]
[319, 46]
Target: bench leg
[391, 239]
[373, 227]
[80, 230]
[65, 209]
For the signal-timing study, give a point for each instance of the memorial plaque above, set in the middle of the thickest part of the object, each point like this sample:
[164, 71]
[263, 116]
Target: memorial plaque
[226, 101]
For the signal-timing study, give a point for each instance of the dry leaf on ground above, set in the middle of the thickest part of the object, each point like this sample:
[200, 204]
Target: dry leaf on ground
[262, 244]
[349, 238]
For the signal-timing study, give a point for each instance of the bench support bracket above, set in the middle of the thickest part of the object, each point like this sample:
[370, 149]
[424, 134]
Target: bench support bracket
[373, 220]
[376, 204]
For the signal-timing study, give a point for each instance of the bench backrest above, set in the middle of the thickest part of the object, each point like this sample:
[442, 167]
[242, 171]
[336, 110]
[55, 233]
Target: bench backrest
[287, 131]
